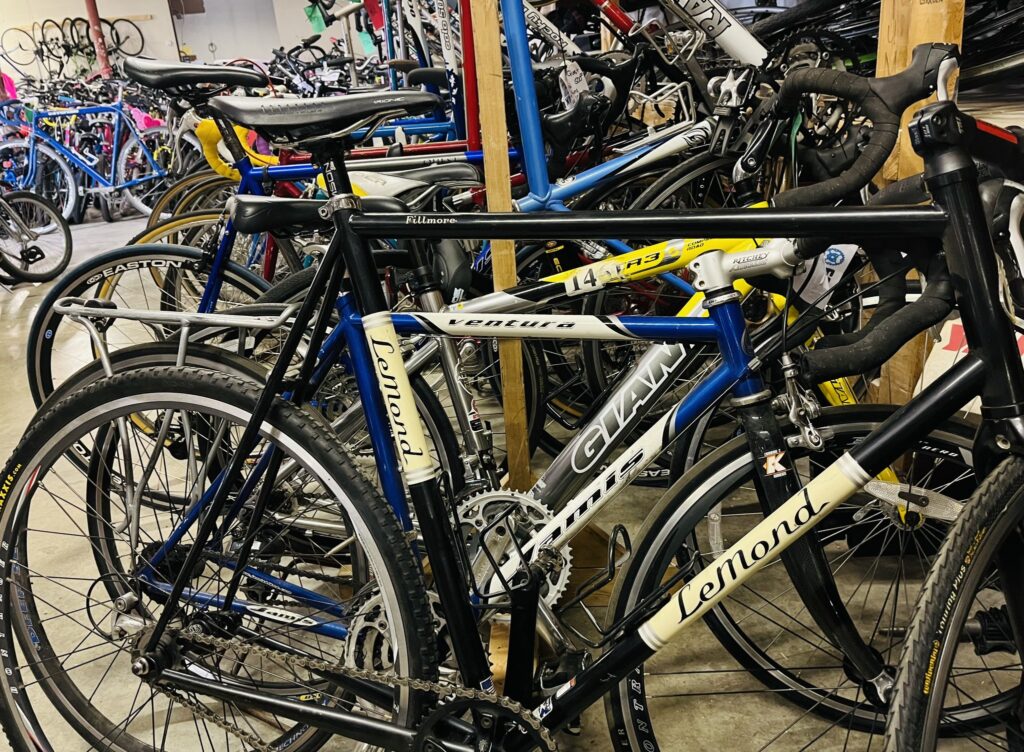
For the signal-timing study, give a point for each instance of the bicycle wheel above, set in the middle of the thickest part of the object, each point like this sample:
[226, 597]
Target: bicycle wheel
[961, 665]
[878, 558]
[164, 206]
[132, 277]
[128, 37]
[19, 46]
[49, 176]
[69, 558]
[142, 158]
[53, 38]
[35, 240]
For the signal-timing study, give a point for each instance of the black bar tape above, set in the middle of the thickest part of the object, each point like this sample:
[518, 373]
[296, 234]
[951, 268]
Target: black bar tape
[884, 131]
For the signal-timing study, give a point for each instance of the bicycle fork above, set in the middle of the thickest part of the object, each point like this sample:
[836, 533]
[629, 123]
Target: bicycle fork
[776, 481]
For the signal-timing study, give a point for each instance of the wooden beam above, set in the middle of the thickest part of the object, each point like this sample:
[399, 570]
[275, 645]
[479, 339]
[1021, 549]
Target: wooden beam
[494, 136]
[904, 24]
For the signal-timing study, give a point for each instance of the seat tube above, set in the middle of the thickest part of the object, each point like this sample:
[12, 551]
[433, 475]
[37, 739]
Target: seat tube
[407, 431]
[374, 409]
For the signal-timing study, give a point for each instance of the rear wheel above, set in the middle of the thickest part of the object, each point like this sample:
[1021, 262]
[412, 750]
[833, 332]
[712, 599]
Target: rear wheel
[35, 240]
[68, 559]
[131, 277]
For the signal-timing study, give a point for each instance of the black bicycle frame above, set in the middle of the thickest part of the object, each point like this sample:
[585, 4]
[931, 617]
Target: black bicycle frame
[993, 370]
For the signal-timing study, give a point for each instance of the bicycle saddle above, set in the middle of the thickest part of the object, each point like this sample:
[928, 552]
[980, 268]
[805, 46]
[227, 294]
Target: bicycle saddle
[453, 172]
[163, 75]
[307, 120]
[428, 77]
[403, 66]
[290, 216]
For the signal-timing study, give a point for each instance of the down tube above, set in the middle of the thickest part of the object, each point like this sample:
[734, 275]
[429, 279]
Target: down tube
[763, 544]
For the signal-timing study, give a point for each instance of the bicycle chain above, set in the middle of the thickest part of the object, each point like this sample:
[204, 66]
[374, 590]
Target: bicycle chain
[447, 691]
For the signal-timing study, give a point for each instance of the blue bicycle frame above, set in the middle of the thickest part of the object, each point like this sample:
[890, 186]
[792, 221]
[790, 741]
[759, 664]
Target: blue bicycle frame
[544, 196]
[725, 325]
[122, 120]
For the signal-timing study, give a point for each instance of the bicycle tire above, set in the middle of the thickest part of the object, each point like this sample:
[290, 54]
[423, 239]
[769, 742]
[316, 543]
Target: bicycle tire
[58, 227]
[406, 607]
[143, 195]
[130, 40]
[685, 508]
[164, 206]
[790, 19]
[101, 270]
[19, 46]
[991, 521]
[64, 195]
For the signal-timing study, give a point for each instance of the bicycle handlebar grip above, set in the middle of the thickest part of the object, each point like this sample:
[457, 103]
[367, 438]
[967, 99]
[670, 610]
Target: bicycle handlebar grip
[882, 100]
[883, 341]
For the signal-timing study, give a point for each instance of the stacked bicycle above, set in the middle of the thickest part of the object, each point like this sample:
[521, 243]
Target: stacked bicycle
[262, 528]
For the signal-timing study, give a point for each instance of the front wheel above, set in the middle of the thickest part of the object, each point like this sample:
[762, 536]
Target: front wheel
[35, 240]
[878, 557]
[67, 653]
[961, 643]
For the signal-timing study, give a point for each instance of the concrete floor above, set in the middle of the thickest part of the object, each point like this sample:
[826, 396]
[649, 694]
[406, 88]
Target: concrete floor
[701, 699]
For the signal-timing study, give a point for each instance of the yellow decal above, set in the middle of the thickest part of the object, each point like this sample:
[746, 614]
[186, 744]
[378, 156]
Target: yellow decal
[398, 400]
[837, 483]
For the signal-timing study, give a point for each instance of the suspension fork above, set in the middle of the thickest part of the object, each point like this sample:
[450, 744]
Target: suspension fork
[805, 561]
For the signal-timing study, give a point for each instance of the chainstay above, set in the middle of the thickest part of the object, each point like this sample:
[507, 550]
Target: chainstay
[444, 691]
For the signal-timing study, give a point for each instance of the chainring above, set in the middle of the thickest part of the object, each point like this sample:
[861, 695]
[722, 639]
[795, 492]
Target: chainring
[480, 510]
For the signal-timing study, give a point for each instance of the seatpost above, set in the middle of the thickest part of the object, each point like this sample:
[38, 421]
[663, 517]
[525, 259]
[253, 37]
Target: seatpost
[938, 134]
[407, 430]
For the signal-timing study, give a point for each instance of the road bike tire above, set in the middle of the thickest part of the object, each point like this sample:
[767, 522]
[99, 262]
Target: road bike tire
[777, 646]
[133, 164]
[792, 18]
[30, 646]
[165, 205]
[959, 595]
[55, 229]
[54, 178]
[211, 195]
[100, 276]
[19, 46]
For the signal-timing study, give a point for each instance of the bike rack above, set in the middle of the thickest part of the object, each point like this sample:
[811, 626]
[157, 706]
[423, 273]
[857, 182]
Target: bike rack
[95, 315]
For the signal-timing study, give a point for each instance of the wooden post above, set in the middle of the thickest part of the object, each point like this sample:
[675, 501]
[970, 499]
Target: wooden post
[494, 133]
[904, 24]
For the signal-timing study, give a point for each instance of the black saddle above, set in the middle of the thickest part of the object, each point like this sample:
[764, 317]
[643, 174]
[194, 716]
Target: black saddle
[159, 74]
[403, 66]
[428, 77]
[291, 216]
[306, 120]
[447, 172]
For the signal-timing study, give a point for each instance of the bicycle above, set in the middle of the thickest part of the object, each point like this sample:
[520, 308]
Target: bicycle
[35, 240]
[137, 164]
[634, 640]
